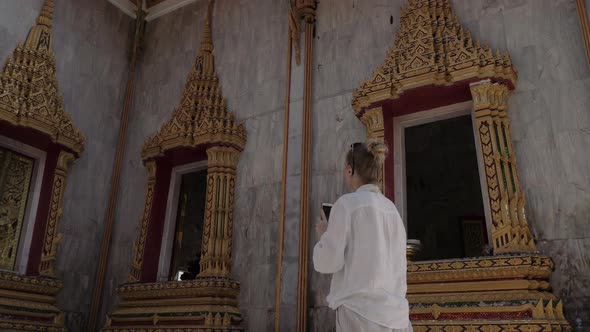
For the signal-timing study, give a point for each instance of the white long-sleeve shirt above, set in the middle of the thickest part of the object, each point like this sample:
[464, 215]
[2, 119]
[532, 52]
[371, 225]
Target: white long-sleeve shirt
[365, 249]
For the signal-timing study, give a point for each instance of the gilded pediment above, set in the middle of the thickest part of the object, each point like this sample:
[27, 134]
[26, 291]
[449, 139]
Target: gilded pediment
[431, 47]
[29, 92]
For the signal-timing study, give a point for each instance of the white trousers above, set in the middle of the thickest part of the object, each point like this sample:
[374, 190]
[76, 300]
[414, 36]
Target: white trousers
[349, 321]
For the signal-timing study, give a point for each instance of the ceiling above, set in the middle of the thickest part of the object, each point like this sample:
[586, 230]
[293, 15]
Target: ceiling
[149, 3]
[154, 8]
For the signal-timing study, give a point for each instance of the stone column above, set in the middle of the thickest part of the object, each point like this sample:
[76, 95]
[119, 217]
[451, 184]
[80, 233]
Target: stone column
[510, 231]
[219, 212]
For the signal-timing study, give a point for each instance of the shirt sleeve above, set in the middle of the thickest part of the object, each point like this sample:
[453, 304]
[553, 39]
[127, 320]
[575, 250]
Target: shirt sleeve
[328, 253]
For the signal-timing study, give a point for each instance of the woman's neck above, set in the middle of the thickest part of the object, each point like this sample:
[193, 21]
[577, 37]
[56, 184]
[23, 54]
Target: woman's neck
[356, 183]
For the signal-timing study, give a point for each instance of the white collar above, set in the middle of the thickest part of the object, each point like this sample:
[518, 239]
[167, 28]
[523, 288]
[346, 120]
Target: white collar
[369, 187]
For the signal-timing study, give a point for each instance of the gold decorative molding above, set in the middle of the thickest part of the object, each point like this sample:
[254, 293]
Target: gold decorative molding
[202, 286]
[219, 212]
[139, 244]
[510, 230]
[29, 93]
[373, 121]
[300, 10]
[52, 235]
[202, 117]
[489, 268]
[431, 48]
[27, 303]
[496, 326]
[34, 285]
[584, 27]
[203, 304]
[488, 293]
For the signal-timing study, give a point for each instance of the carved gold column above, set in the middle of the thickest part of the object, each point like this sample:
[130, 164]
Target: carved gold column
[373, 121]
[139, 244]
[52, 236]
[510, 231]
[219, 211]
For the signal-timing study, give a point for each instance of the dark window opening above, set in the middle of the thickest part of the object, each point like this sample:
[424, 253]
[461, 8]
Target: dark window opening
[444, 201]
[189, 226]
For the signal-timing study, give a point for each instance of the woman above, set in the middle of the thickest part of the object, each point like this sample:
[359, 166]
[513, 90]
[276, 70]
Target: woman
[364, 246]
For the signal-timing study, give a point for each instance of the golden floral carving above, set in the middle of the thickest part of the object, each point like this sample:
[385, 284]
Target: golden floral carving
[373, 121]
[33, 299]
[431, 47]
[29, 93]
[219, 211]
[139, 244]
[510, 230]
[35, 285]
[52, 236]
[202, 117]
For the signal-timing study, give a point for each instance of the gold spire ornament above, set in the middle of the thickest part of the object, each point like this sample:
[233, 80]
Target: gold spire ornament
[29, 93]
[202, 116]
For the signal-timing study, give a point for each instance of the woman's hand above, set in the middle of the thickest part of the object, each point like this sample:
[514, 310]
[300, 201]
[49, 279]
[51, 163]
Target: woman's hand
[322, 225]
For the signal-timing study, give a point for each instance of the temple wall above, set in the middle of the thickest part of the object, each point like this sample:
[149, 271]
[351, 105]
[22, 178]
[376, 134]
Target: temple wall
[548, 110]
[90, 43]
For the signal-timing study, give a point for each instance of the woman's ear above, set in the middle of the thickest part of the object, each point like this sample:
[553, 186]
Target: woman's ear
[348, 170]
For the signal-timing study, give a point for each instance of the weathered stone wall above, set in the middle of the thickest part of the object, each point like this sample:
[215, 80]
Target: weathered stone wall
[90, 43]
[351, 40]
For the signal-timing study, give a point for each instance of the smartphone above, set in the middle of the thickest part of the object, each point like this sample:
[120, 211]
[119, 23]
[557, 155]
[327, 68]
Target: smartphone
[327, 207]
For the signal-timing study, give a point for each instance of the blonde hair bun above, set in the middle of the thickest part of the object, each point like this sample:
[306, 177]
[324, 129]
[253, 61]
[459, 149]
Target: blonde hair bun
[378, 149]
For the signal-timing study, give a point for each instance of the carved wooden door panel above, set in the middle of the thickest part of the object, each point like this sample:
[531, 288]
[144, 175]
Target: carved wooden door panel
[15, 179]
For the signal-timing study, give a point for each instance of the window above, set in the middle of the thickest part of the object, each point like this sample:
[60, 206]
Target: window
[190, 216]
[438, 184]
[21, 169]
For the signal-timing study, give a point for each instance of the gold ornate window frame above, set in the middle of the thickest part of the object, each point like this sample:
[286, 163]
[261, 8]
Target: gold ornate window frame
[433, 50]
[201, 129]
[435, 62]
[32, 113]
